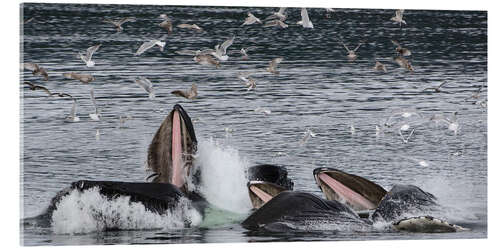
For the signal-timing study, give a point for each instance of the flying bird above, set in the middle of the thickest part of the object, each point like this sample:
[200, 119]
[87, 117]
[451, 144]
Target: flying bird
[118, 23]
[243, 51]
[80, 77]
[94, 116]
[204, 59]
[280, 15]
[34, 87]
[166, 24]
[274, 23]
[307, 134]
[36, 70]
[148, 45]
[398, 17]
[273, 65]
[305, 22]
[189, 26]
[221, 49]
[146, 85]
[249, 81]
[402, 51]
[404, 63]
[436, 89]
[189, 94]
[87, 57]
[380, 67]
[73, 116]
[351, 54]
[251, 19]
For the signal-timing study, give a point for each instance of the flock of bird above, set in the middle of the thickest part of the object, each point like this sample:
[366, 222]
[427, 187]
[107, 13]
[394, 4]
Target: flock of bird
[220, 53]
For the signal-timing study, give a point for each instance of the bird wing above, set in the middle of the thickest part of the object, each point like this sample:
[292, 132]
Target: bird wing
[274, 63]
[145, 84]
[305, 16]
[185, 26]
[73, 109]
[91, 50]
[126, 19]
[226, 44]
[30, 66]
[145, 46]
[30, 84]
[395, 43]
[359, 45]
[92, 98]
[442, 84]
[399, 13]
[282, 10]
[180, 93]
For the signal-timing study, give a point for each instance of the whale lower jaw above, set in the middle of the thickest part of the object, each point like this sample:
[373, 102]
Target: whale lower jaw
[427, 224]
[358, 193]
[261, 192]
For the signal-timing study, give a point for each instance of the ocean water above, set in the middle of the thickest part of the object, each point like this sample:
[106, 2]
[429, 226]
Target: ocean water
[317, 89]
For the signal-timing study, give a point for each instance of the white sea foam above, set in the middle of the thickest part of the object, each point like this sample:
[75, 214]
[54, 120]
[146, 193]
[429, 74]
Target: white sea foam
[223, 176]
[89, 211]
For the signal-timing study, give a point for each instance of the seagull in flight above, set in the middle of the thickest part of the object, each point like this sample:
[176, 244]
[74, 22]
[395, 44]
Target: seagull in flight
[380, 67]
[249, 81]
[73, 116]
[436, 89]
[205, 59]
[251, 19]
[305, 22]
[404, 63]
[166, 24]
[147, 85]
[398, 17]
[80, 77]
[402, 51]
[351, 54]
[94, 116]
[148, 45]
[278, 15]
[87, 57]
[274, 23]
[189, 26]
[36, 70]
[273, 65]
[243, 51]
[118, 23]
[307, 134]
[221, 49]
[189, 94]
[34, 87]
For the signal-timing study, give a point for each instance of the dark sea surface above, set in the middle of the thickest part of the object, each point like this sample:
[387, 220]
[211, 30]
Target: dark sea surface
[317, 89]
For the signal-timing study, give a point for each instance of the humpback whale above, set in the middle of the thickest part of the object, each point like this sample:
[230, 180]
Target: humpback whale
[300, 211]
[170, 157]
[366, 197]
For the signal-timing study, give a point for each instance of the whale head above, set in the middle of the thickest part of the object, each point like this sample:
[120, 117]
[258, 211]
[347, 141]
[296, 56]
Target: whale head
[265, 182]
[171, 152]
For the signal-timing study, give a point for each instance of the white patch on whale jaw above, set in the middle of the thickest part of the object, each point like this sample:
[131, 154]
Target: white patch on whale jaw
[427, 224]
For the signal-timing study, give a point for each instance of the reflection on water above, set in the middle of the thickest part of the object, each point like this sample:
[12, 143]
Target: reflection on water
[317, 89]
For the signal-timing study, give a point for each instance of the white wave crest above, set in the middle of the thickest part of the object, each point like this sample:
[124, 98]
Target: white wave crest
[89, 211]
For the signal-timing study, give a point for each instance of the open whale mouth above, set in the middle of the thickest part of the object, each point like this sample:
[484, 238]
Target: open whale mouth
[355, 191]
[171, 152]
[265, 182]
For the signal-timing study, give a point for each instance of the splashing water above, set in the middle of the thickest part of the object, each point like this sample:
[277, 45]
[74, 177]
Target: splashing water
[89, 211]
[223, 176]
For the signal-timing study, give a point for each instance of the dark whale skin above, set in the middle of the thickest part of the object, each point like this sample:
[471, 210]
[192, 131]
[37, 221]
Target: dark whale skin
[402, 199]
[290, 210]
